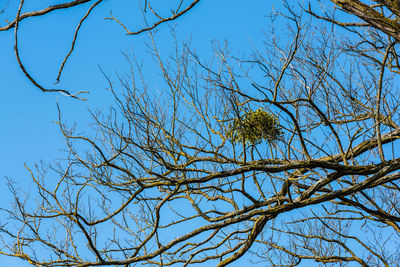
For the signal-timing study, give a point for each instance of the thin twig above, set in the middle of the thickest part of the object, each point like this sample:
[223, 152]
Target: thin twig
[74, 39]
[22, 67]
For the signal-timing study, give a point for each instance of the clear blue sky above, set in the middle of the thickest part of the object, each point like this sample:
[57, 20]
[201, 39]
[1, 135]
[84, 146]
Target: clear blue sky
[27, 132]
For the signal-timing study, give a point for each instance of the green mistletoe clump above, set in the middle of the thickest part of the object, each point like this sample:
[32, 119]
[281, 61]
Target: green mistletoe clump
[254, 126]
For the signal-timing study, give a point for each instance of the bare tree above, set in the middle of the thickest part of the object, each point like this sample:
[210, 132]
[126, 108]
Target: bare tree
[289, 154]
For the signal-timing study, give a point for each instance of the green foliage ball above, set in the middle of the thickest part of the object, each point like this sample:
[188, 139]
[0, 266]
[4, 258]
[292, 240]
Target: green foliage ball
[254, 126]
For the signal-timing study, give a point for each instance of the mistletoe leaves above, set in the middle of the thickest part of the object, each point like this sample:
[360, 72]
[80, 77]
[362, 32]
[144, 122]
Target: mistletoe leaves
[255, 126]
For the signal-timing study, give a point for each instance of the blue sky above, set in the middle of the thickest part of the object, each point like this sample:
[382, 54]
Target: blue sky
[27, 131]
